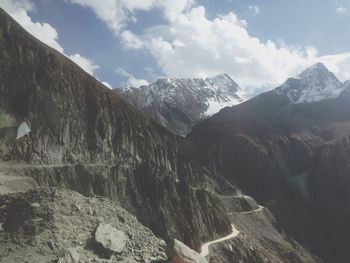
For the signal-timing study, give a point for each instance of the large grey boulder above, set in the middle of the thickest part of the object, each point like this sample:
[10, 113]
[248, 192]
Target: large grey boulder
[180, 253]
[109, 240]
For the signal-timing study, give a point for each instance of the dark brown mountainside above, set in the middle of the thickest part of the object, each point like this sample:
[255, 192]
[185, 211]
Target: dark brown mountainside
[292, 157]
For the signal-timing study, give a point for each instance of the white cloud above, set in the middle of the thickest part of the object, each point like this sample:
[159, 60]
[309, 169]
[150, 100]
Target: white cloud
[130, 40]
[19, 9]
[339, 64]
[339, 8]
[132, 81]
[110, 11]
[191, 45]
[43, 31]
[117, 13]
[86, 64]
[255, 10]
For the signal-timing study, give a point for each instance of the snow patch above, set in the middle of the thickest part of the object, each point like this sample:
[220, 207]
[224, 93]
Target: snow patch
[23, 130]
[216, 104]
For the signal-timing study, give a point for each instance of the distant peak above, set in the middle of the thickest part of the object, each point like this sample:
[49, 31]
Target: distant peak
[223, 80]
[315, 70]
[313, 84]
[221, 76]
[319, 66]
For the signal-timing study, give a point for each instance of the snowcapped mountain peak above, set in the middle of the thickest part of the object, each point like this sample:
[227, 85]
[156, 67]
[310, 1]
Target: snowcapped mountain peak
[313, 84]
[317, 72]
[179, 103]
[223, 82]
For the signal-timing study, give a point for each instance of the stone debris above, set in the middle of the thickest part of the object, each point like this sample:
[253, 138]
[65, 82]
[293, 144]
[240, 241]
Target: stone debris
[109, 240]
[179, 252]
[71, 255]
[54, 232]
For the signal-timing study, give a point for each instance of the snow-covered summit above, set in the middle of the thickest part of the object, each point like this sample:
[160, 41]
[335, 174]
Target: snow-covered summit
[223, 82]
[186, 100]
[313, 84]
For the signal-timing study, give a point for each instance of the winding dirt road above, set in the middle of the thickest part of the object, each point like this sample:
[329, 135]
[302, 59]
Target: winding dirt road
[205, 247]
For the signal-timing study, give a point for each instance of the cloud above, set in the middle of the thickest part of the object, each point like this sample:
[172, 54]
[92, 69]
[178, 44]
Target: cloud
[255, 10]
[19, 9]
[339, 8]
[131, 80]
[339, 64]
[43, 31]
[110, 11]
[118, 13]
[192, 45]
[131, 41]
[86, 64]
[210, 47]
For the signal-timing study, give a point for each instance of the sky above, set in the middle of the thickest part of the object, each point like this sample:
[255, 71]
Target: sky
[259, 43]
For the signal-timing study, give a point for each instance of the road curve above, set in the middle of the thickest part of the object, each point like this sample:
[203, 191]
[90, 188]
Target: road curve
[205, 247]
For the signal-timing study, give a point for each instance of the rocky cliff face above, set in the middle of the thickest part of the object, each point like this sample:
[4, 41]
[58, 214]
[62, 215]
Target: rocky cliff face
[290, 156]
[85, 137]
[178, 104]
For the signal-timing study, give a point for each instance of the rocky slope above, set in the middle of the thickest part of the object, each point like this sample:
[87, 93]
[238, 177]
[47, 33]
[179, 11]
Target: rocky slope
[52, 225]
[178, 104]
[49, 228]
[289, 150]
[260, 238]
[64, 129]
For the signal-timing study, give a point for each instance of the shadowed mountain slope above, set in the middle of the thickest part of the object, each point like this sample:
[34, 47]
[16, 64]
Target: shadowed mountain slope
[291, 155]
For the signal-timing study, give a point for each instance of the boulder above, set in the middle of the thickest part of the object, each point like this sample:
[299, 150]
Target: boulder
[109, 240]
[180, 253]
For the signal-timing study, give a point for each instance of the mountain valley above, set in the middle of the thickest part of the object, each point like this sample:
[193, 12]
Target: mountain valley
[178, 171]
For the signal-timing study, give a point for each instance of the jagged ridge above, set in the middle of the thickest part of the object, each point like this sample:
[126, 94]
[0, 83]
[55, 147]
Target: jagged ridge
[180, 103]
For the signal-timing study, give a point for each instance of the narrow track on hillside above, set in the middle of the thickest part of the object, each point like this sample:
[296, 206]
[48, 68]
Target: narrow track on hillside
[205, 247]
[235, 232]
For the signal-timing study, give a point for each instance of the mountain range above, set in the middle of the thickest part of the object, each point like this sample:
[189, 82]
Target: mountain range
[94, 175]
[179, 104]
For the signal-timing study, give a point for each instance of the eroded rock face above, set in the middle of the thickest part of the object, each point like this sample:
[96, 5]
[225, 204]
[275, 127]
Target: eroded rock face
[180, 253]
[109, 240]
